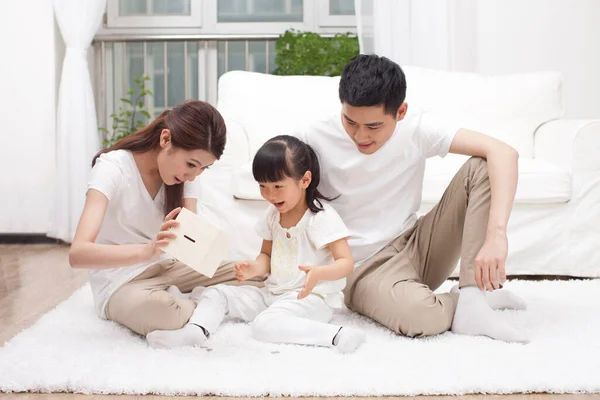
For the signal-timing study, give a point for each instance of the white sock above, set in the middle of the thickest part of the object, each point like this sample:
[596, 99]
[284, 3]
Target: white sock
[505, 299]
[347, 339]
[189, 335]
[475, 317]
[500, 299]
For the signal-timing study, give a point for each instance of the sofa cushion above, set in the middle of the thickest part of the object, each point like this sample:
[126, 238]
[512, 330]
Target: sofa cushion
[535, 94]
[516, 132]
[539, 182]
[483, 103]
[236, 148]
[269, 105]
[243, 185]
[508, 107]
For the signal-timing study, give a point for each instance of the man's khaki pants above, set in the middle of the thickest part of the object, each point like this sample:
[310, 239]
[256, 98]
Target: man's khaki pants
[144, 305]
[395, 286]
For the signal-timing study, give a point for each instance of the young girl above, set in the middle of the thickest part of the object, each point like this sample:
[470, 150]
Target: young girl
[304, 252]
[136, 188]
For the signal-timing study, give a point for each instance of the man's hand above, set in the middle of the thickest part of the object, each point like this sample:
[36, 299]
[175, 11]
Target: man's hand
[489, 263]
[246, 270]
[312, 278]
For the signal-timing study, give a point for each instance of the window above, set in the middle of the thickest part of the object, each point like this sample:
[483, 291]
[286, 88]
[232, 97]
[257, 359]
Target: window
[260, 56]
[260, 11]
[154, 7]
[184, 46]
[230, 16]
[337, 13]
[341, 7]
[154, 13]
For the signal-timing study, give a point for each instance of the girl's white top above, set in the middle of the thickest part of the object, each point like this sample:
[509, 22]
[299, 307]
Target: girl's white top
[306, 244]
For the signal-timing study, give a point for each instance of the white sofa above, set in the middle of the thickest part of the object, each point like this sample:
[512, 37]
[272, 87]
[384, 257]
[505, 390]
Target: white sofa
[555, 225]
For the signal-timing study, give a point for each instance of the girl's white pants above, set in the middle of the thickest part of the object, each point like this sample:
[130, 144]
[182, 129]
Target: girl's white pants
[275, 318]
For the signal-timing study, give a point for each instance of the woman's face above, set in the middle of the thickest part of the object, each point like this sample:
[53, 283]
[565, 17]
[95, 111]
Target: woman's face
[177, 165]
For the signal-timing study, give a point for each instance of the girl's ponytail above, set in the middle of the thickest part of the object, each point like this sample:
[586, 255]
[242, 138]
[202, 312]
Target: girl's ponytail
[313, 196]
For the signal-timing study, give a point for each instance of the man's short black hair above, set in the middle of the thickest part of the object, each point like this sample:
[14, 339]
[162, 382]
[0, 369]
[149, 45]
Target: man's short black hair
[370, 80]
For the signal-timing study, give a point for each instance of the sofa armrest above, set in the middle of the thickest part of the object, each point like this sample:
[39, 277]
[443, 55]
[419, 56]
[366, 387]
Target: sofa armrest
[574, 145]
[570, 143]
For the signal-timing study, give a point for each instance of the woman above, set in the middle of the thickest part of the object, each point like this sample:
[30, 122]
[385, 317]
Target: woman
[136, 189]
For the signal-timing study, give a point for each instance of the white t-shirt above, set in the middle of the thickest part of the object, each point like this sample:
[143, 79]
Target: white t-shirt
[306, 246]
[379, 193]
[132, 217]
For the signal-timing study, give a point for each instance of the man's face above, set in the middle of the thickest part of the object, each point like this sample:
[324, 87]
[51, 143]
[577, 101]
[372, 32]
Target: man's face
[370, 127]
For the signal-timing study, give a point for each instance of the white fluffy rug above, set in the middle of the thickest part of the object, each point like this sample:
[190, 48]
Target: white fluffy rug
[70, 349]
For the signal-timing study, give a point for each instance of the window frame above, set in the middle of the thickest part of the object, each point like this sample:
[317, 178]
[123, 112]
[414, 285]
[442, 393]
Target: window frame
[327, 20]
[199, 26]
[114, 20]
[211, 24]
[203, 20]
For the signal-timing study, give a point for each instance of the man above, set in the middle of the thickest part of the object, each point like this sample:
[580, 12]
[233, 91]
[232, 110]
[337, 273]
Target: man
[374, 159]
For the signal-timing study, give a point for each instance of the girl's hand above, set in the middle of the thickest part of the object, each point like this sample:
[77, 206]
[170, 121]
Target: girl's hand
[153, 250]
[245, 270]
[312, 278]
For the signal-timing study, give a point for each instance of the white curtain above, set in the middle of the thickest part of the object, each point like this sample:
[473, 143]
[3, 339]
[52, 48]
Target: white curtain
[77, 137]
[384, 28]
[436, 34]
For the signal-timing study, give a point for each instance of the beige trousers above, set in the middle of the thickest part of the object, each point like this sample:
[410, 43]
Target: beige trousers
[395, 287]
[144, 305]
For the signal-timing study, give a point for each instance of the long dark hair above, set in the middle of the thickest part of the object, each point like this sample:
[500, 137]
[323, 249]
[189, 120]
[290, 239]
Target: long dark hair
[193, 125]
[287, 156]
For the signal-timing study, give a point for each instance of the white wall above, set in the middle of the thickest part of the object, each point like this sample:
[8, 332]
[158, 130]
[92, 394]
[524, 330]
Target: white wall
[530, 35]
[431, 35]
[28, 79]
[410, 32]
[496, 37]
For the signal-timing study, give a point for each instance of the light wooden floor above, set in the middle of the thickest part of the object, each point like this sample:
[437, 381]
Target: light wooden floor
[34, 278]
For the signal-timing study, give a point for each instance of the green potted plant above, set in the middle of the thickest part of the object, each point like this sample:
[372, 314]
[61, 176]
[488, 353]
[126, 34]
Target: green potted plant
[308, 53]
[127, 121]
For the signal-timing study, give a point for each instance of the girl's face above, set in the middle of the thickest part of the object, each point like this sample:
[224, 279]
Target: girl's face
[177, 165]
[286, 194]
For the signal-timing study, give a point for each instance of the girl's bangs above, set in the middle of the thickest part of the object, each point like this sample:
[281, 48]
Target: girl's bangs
[270, 163]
